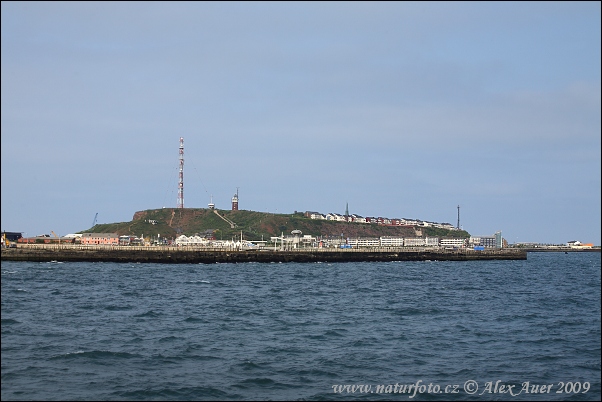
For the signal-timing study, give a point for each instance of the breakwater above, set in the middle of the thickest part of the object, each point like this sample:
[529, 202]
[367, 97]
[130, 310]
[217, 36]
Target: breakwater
[185, 255]
[561, 250]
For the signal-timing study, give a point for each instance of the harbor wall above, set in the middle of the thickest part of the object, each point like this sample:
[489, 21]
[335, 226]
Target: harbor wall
[181, 255]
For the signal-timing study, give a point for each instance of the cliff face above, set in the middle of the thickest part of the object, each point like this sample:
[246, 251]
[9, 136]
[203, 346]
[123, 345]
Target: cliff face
[171, 222]
[139, 215]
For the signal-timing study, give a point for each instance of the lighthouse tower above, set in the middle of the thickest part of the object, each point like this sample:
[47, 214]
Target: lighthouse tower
[235, 201]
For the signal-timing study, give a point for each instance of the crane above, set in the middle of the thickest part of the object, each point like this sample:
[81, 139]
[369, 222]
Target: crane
[94, 221]
[55, 235]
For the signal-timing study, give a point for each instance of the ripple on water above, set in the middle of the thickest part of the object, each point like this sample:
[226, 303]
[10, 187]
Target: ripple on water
[291, 331]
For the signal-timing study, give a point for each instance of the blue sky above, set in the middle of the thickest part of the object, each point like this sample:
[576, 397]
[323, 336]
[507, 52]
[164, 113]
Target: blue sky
[402, 110]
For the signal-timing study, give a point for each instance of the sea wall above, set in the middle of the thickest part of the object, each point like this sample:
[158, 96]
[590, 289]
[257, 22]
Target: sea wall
[562, 250]
[177, 255]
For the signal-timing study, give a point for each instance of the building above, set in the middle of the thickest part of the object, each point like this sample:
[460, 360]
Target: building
[431, 241]
[391, 241]
[578, 245]
[452, 242]
[414, 242]
[100, 239]
[11, 236]
[195, 240]
[499, 241]
[335, 217]
[10, 239]
[314, 215]
[364, 242]
[493, 241]
[358, 218]
[45, 239]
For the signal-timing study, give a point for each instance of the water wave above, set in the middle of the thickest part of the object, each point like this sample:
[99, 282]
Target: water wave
[290, 331]
[95, 354]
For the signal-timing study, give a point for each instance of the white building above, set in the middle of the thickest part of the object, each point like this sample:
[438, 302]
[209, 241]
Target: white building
[191, 241]
[391, 241]
[414, 242]
[364, 242]
[358, 219]
[432, 241]
[453, 242]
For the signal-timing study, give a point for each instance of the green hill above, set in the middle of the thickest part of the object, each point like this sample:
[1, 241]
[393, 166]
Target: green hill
[171, 222]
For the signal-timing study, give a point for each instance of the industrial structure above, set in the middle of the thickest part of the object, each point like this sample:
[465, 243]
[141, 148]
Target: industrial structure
[180, 200]
[180, 203]
[10, 239]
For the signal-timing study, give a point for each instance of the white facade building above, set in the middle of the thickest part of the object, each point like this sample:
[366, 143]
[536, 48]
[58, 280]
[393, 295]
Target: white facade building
[364, 242]
[390, 241]
[414, 242]
[452, 242]
[432, 241]
[191, 241]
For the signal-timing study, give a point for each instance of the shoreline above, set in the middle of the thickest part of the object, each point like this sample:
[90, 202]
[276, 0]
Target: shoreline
[179, 255]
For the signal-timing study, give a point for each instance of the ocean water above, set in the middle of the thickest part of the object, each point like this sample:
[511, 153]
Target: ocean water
[107, 331]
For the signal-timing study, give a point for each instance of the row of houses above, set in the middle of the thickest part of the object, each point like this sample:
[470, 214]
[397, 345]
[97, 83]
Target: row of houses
[201, 241]
[93, 239]
[389, 241]
[289, 242]
[292, 242]
[379, 221]
[106, 239]
[480, 242]
[491, 241]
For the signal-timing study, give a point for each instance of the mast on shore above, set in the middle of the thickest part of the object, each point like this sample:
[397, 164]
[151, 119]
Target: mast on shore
[180, 203]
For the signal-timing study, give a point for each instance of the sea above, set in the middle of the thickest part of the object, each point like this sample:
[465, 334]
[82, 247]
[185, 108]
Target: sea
[429, 330]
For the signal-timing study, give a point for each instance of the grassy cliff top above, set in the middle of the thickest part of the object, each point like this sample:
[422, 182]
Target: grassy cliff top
[171, 222]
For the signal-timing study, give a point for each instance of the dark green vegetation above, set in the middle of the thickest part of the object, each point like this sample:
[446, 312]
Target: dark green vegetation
[171, 222]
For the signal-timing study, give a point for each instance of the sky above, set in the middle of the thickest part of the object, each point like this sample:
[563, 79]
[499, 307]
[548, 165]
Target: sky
[397, 109]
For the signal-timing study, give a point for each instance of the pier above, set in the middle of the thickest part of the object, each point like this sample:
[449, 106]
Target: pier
[191, 255]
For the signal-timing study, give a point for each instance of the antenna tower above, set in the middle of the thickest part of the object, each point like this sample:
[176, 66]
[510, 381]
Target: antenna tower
[458, 227]
[181, 176]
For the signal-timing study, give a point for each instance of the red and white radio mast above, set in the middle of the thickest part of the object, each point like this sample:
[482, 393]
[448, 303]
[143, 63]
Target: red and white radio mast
[181, 178]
